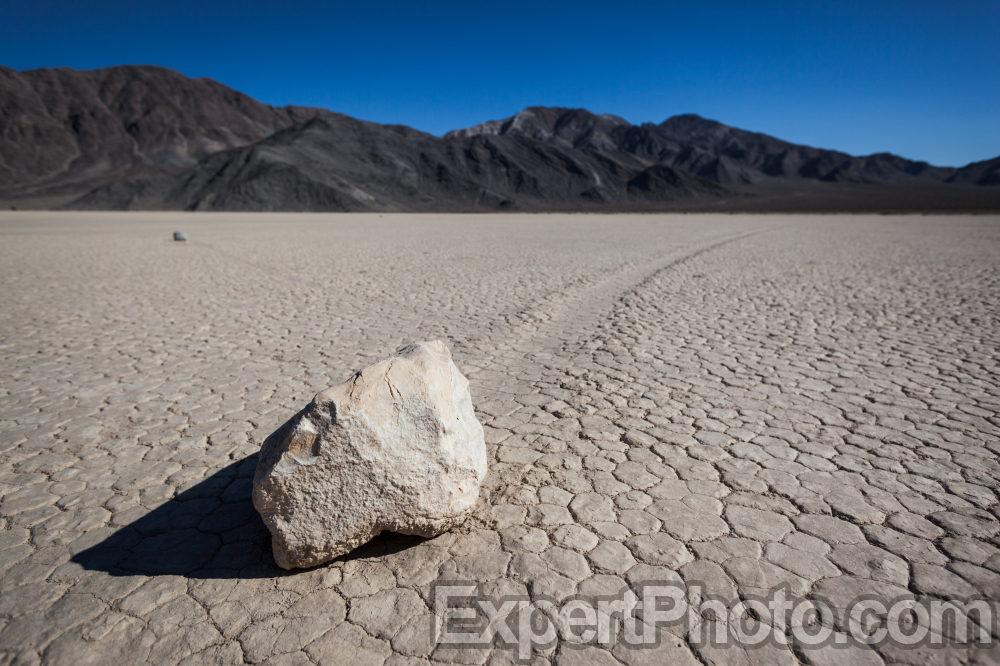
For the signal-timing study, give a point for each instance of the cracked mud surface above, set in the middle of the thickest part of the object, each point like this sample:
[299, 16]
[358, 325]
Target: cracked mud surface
[743, 401]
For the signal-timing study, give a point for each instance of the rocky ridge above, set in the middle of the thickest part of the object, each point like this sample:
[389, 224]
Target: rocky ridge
[62, 128]
[149, 138]
[709, 149]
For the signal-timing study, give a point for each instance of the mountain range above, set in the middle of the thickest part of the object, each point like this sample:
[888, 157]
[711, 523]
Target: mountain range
[707, 149]
[143, 137]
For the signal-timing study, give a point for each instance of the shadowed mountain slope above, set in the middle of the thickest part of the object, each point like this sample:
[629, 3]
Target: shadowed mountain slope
[62, 128]
[709, 149]
[568, 128]
[986, 172]
[142, 137]
[337, 163]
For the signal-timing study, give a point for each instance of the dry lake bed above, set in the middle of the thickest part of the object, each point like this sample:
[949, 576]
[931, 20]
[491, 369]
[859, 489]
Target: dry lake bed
[731, 404]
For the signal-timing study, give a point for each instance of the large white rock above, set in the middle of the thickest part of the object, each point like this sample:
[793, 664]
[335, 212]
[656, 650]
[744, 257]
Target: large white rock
[396, 447]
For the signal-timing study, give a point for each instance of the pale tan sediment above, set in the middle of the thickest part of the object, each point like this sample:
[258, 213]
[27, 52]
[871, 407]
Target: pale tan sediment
[738, 400]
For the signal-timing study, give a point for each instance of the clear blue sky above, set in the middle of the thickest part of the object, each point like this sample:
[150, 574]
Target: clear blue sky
[920, 79]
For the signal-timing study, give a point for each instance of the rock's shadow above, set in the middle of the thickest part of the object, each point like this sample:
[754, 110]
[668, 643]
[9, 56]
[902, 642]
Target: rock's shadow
[210, 530]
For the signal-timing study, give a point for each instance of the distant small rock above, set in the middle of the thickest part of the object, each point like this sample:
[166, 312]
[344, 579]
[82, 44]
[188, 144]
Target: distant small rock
[397, 447]
[180, 236]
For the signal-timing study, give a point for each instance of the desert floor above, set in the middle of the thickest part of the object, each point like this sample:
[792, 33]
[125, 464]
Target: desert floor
[739, 400]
